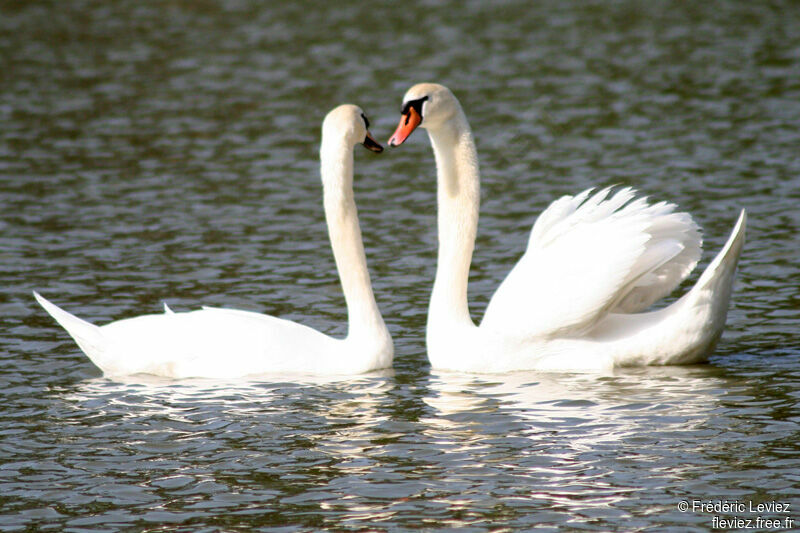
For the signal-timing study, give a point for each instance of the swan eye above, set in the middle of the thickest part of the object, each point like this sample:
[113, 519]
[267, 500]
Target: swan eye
[416, 105]
[366, 120]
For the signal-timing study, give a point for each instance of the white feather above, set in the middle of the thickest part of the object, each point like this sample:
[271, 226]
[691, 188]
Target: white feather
[575, 299]
[587, 256]
[229, 343]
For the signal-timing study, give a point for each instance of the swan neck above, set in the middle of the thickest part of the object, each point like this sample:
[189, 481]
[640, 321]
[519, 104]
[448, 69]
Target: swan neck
[341, 215]
[458, 196]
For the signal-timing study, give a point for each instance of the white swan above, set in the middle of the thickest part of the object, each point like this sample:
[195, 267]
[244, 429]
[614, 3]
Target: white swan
[223, 343]
[593, 262]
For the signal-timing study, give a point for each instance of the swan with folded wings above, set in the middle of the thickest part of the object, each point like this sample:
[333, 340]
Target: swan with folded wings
[228, 343]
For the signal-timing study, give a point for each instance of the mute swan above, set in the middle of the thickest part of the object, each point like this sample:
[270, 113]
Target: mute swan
[574, 300]
[227, 343]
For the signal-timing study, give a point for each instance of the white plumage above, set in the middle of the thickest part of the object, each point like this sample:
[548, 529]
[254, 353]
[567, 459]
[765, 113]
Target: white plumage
[575, 299]
[227, 343]
[589, 255]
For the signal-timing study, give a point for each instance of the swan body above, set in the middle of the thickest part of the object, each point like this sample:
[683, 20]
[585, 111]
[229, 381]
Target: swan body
[228, 343]
[578, 297]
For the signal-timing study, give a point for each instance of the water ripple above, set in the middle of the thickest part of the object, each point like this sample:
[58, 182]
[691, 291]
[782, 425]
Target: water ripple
[169, 152]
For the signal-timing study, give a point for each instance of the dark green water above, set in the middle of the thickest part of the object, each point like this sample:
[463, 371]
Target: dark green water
[167, 151]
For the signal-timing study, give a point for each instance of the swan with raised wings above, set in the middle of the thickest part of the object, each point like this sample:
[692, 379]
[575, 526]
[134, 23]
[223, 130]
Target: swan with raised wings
[594, 263]
[228, 343]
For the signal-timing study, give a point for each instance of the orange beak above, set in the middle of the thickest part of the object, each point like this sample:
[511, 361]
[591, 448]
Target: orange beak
[408, 123]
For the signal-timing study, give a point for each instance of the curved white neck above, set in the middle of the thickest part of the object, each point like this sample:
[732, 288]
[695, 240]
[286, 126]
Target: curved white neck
[458, 197]
[364, 317]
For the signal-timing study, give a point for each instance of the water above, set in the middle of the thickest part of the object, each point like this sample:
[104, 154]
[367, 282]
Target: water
[168, 151]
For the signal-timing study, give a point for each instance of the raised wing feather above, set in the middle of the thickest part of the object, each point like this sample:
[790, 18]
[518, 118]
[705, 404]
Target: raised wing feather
[589, 255]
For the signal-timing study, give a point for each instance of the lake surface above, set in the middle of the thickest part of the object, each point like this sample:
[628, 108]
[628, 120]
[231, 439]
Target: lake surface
[167, 151]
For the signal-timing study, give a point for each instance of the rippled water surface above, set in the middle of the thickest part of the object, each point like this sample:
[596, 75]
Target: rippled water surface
[167, 151]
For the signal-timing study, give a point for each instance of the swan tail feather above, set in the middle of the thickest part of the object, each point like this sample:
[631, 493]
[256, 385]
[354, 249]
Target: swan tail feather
[719, 272]
[89, 337]
[714, 286]
[706, 304]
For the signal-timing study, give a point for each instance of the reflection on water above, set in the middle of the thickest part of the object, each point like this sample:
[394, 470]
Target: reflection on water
[583, 441]
[447, 449]
[169, 152]
[530, 448]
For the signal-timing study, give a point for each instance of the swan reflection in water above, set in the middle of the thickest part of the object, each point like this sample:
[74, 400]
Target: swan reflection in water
[234, 443]
[253, 413]
[586, 400]
[578, 436]
[372, 446]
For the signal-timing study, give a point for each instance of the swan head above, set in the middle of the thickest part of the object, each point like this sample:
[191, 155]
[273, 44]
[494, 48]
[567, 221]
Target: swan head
[425, 105]
[349, 122]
